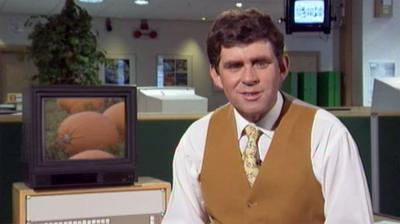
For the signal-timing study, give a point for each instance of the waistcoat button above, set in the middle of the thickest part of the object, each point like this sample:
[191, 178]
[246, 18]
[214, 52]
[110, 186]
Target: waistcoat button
[251, 204]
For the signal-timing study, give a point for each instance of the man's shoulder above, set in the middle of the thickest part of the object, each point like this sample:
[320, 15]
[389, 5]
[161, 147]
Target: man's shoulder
[200, 124]
[329, 121]
[203, 120]
[322, 117]
[326, 116]
[301, 103]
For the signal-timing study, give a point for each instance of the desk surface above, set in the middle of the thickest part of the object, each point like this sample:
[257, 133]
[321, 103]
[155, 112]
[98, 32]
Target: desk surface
[337, 111]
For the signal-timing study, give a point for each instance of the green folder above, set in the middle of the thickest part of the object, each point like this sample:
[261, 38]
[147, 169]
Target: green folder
[329, 89]
[307, 87]
[290, 84]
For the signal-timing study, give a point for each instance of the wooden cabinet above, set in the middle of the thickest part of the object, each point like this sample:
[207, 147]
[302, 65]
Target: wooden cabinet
[143, 202]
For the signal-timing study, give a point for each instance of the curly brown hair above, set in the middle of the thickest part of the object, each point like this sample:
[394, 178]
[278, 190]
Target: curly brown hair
[235, 27]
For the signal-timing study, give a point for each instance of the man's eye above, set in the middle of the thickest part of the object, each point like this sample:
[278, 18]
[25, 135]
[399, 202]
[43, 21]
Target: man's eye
[261, 64]
[233, 66]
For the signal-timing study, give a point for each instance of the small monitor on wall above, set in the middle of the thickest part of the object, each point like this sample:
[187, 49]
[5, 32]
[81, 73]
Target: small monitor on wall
[79, 136]
[308, 16]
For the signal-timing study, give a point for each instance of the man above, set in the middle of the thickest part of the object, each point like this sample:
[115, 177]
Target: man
[264, 157]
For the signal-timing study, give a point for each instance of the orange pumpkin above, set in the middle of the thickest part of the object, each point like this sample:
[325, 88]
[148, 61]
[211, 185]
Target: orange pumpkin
[116, 113]
[75, 105]
[86, 130]
[92, 154]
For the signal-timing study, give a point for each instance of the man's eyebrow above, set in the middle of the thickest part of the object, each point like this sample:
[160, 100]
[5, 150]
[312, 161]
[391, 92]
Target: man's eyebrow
[254, 60]
[232, 62]
[261, 59]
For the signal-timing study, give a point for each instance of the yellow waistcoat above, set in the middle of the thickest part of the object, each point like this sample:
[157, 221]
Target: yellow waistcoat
[285, 191]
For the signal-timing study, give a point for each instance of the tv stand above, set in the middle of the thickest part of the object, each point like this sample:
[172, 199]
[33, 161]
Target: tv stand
[144, 202]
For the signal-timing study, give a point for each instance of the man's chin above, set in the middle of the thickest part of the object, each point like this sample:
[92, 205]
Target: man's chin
[252, 114]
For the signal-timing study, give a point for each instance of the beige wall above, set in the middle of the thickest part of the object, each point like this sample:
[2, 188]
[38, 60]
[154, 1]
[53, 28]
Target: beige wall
[380, 38]
[174, 37]
[15, 74]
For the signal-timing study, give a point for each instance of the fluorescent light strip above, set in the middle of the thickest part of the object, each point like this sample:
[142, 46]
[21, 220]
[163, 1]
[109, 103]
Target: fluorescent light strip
[141, 2]
[91, 1]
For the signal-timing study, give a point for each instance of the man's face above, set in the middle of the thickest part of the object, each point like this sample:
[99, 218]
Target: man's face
[250, 76]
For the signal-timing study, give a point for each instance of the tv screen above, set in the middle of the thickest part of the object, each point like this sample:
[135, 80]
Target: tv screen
[309, 11]
[79, 136]
[83, 128]
[308, 16]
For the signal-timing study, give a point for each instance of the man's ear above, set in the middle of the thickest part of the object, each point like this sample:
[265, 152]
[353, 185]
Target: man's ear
[216, 78]
[284, 67]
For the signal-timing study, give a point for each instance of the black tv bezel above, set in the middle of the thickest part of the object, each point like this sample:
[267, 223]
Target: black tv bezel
[292, 27]
[76, 173]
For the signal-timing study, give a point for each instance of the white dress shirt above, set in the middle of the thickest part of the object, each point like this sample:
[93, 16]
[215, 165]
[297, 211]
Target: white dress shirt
[335, 161]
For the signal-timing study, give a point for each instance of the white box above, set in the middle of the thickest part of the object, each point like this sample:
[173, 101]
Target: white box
[142, 203]
[170, 100]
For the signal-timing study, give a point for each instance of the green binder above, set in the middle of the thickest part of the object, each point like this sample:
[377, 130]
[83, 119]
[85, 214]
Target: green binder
[329, 89]
[308, 87]
[290, 84]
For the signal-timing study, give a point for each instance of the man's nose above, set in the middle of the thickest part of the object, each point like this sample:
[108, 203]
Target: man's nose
[249, 76]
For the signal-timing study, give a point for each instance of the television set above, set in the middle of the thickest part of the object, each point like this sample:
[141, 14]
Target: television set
[79, 135]
[308, 16]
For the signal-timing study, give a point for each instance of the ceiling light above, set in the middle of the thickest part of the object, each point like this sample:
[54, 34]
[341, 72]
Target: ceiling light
[239, 4]
[203, 18]
[91, 1]
[141, 2]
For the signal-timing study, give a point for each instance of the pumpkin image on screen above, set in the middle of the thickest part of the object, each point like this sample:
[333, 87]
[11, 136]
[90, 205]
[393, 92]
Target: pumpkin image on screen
[92, 154]
[75, 105]
[86, 130]
[116, 113]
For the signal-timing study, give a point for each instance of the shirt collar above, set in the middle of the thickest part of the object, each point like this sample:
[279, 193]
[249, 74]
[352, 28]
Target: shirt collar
[266, 123]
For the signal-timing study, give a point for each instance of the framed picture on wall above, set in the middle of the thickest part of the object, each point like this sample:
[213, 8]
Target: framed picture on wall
[174, 70]
[119, 69]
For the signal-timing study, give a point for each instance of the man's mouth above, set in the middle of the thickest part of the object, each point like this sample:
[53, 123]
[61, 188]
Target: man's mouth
[251, 95]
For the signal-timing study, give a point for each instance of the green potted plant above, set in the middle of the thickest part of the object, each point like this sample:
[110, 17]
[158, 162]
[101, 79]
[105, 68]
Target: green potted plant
[64, 47]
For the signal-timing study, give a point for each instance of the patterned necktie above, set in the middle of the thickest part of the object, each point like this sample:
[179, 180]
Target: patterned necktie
[249, 155]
